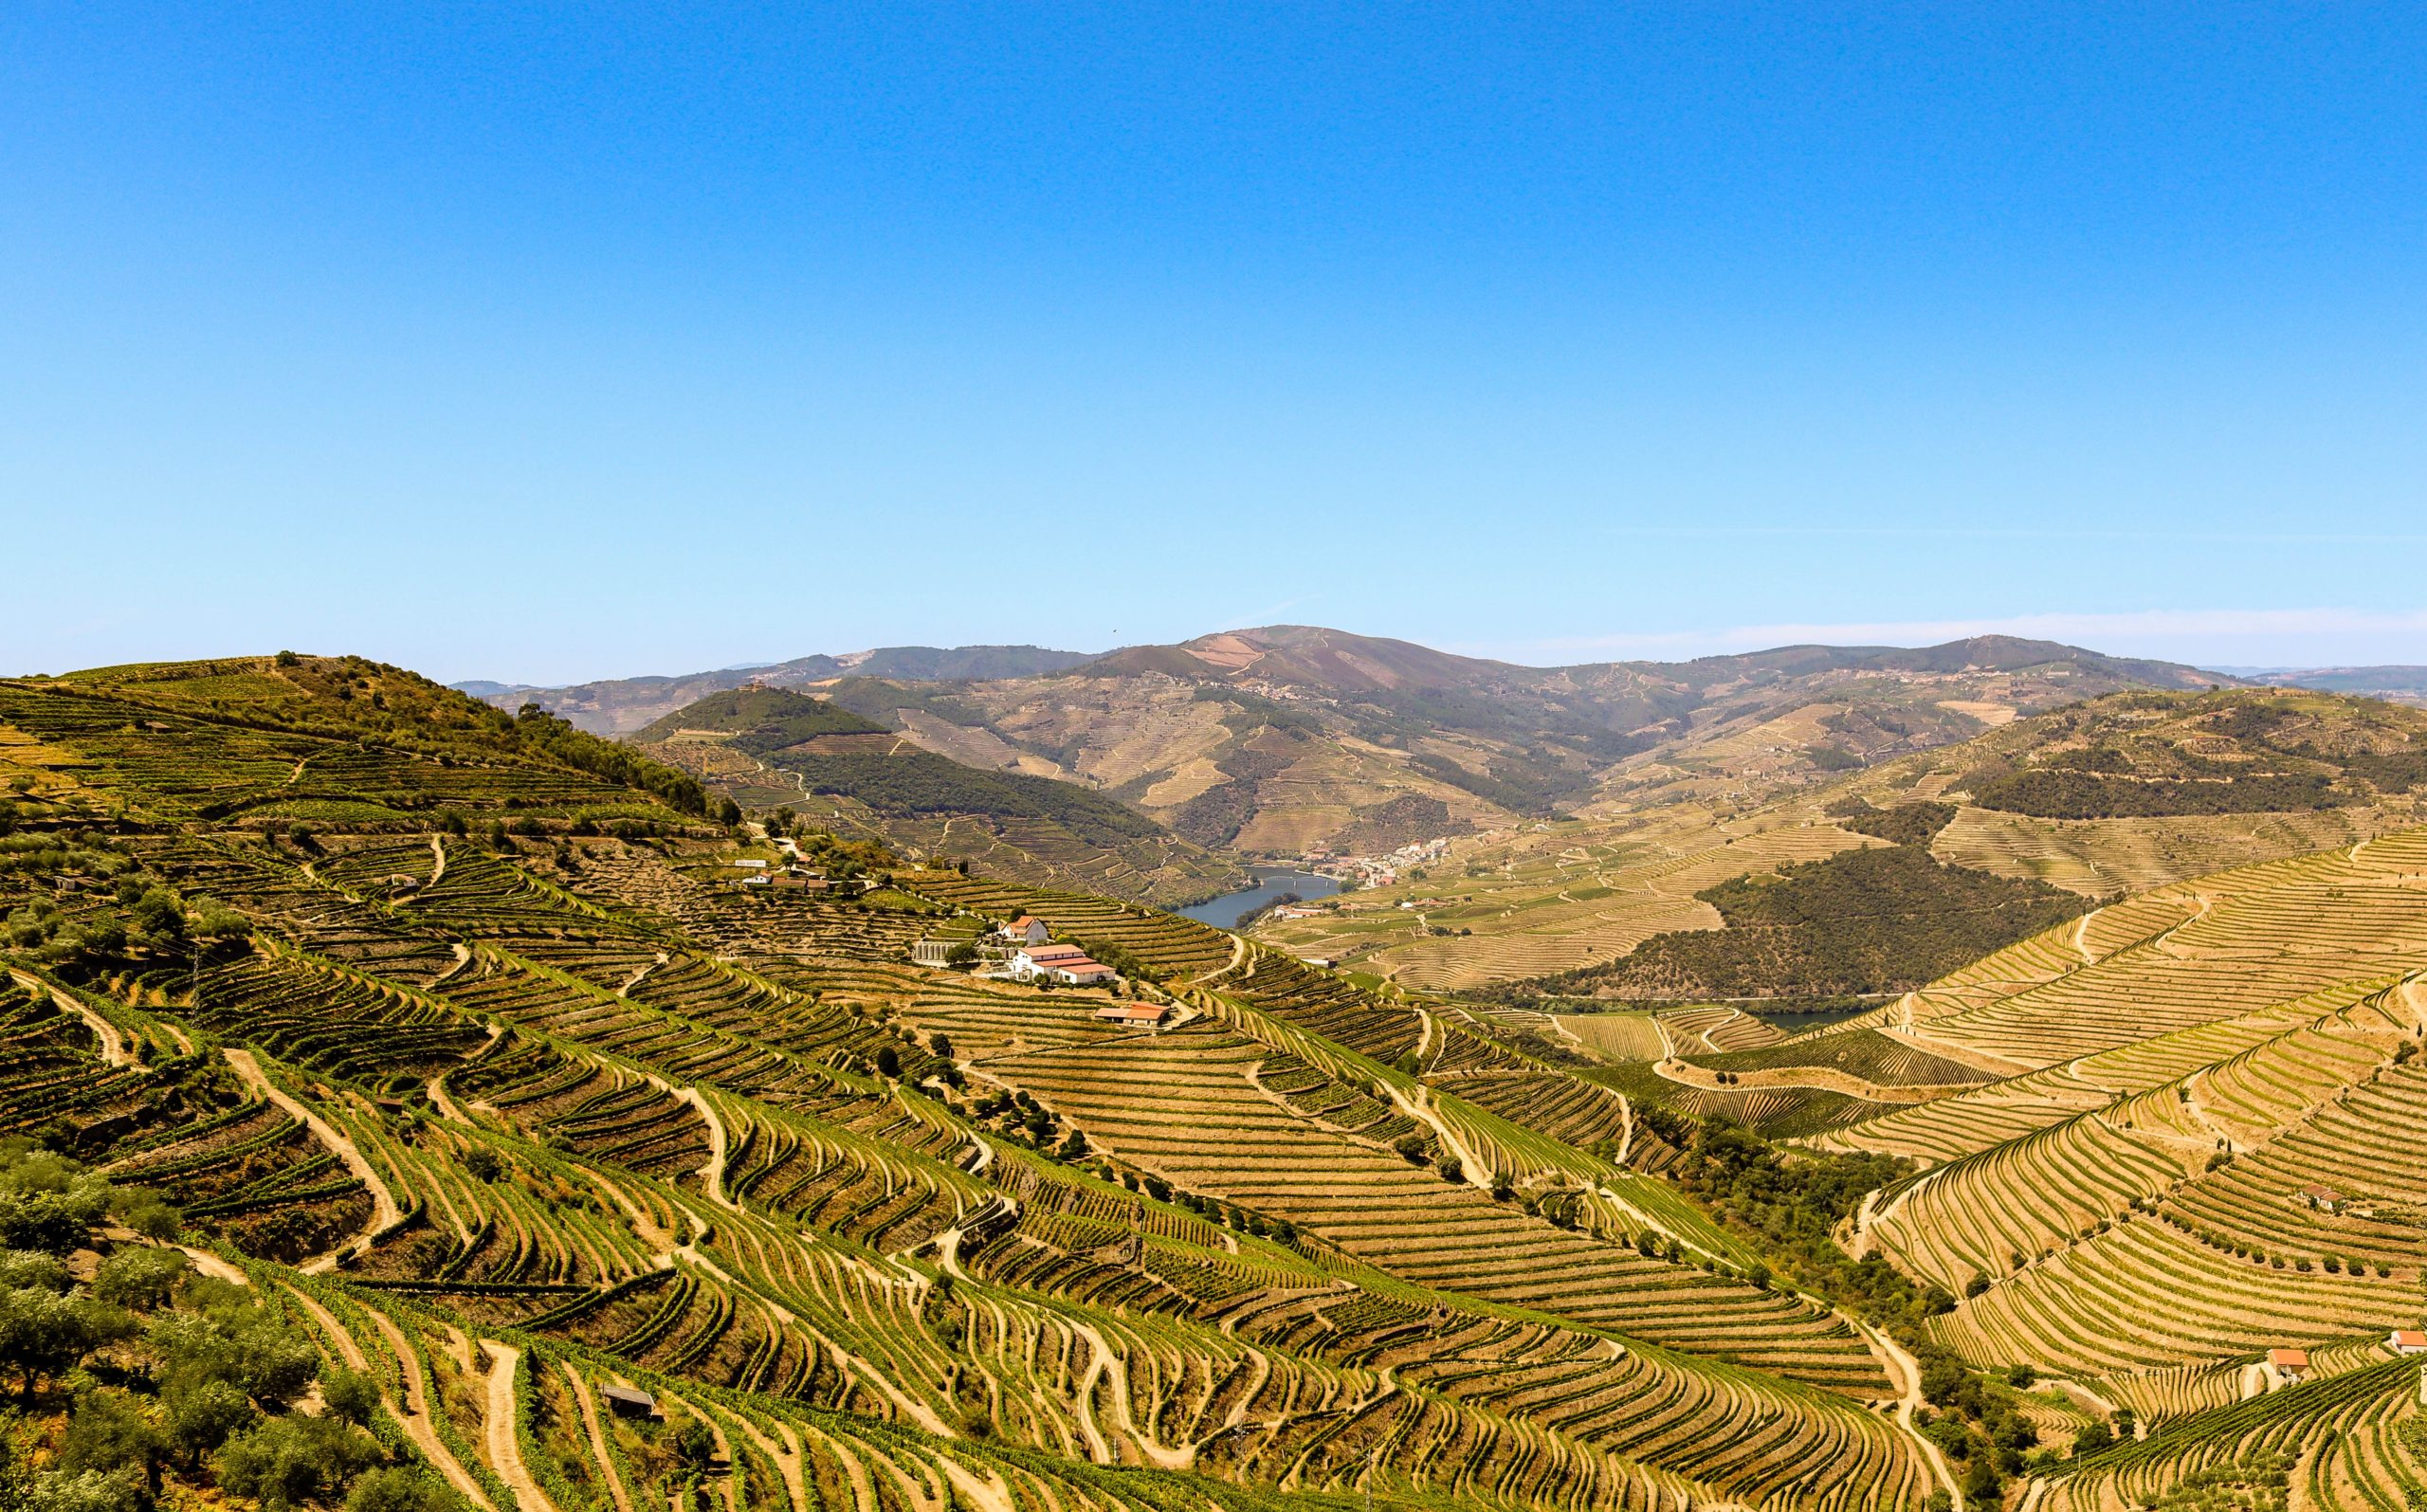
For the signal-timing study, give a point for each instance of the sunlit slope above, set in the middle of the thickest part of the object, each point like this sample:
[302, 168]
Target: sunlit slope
[899, 1236]
[2213, 1155]
[2292, 774]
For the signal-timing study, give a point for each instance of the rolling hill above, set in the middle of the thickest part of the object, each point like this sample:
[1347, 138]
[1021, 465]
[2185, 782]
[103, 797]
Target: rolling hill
[770, 748]
[620, 705]
[485, 1093]
[1286, 740]
[2119, 793]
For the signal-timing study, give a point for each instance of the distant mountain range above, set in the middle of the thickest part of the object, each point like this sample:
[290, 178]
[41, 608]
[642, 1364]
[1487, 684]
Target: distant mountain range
[2398, 684]
[1289, 740]
[621, 705]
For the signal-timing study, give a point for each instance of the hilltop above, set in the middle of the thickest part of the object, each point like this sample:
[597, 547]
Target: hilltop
[1285, 739]
[621, 705]
[772, 749]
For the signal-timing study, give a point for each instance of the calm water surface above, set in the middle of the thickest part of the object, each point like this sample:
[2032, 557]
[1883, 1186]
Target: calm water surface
[1224, 912]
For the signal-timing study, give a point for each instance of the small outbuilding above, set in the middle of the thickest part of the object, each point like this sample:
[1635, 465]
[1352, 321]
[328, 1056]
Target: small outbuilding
[2290, 1366]
[628, 1401]
[2407, 1340]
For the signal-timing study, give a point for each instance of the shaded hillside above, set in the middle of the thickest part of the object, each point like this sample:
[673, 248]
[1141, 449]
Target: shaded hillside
[770, 747]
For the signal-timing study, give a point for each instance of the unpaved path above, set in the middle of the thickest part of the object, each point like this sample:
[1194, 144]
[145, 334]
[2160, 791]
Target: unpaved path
[383, 1203]
[1905, 1373]
[215, 1267]
[445, 1105]
[1829, 1079]
[355, 1358]
[114, 1049]
[580, 1390]
[413, 1416]
[787, 1460]
[712, 1169]
[1107, 1363]
[437, 872]
[503, 1445]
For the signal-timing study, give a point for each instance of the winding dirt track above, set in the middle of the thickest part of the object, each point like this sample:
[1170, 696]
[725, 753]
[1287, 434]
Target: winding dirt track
[503, 1445]
[383, 1203]
[114, 1049]
[414, 1419]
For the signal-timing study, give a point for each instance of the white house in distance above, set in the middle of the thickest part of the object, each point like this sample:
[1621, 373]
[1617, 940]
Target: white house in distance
[2289, 1366]
[2407, 1340]
[1061, 963]
[1027, 930]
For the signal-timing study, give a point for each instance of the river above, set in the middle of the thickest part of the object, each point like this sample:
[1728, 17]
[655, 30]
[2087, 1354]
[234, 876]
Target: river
[1223, 912]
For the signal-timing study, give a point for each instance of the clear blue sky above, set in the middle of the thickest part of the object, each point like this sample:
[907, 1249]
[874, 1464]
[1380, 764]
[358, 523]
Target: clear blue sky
[543, 345]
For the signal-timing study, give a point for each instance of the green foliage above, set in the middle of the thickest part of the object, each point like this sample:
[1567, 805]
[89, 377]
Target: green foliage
[1515, 783]
[921, 782]
[290, 1460]
[48, 1202]
[1880, 919]
[1786, 1208]
[2084, 795]
[761, 720]
[545, 733]
[1907, 823]
[140, 1277]
[402, 1488]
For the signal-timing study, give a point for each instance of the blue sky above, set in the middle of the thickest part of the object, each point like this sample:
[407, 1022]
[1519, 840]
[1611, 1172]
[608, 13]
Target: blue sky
[553, 344]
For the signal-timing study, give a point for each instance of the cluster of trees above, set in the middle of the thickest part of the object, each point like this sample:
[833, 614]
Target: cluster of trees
[547, 735]
[1882, 920]
[1216, 816]
[763, 720]
[1907, 823]
[202, 1376]
[115, 913]
[2074, 795]
[921, 782]
[1786, 1208]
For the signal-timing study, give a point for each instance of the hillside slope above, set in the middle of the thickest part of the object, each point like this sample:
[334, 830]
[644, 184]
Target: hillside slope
[771, 748]
[506, 1113]
[576, 1105]
[1284, 740]
[2246, 774]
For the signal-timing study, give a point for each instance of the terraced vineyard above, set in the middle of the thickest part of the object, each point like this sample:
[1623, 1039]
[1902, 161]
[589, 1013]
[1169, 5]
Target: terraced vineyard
[516, 1116]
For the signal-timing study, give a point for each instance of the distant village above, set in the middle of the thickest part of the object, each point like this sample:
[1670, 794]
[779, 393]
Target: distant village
[1375, 871]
